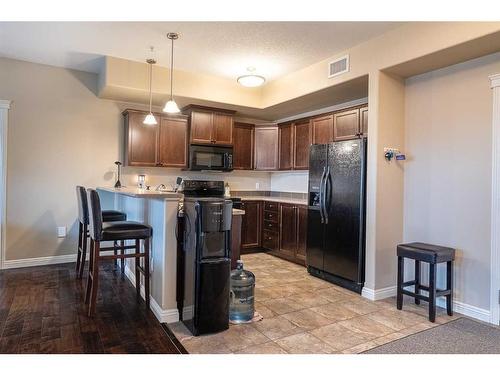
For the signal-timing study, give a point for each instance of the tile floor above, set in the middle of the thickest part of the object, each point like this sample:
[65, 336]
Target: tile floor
[303, 314]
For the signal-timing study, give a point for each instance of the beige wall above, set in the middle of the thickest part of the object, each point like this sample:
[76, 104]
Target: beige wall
[447, 194]
[61, 135]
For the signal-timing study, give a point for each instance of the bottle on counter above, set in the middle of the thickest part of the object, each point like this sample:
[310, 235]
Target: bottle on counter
[227, 191]
[241, 304]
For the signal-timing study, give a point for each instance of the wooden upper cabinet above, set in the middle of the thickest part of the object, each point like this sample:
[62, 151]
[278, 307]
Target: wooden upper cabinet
[346, 125]
[201, 127]
[210, 125]
[223, 129]
[285, 134]
[141, 141]
[266, 148]
[288, 229]
[173, 142]
[363, 117]
[302, 143]
[243, 141]
[322, 129]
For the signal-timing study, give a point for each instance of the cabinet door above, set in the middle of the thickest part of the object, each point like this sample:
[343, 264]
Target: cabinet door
[251, 225]
[285, 146]
[172, 143]
[363, 114]
[142, 141]
[201, 127]
[346, 125]
[223, 129]
[288, 229]
[266, 148]
[300, 254]
[322, 129]
[243, 140]
[302, 141]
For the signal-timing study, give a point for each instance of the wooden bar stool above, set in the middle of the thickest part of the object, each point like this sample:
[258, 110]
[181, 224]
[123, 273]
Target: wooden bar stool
[432, 254]
[83, 222]
[115, 231]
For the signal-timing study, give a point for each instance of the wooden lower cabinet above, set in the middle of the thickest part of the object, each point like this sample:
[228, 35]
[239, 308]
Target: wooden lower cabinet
[288, 229]
[283, 229]
[300, 253]
[251, 226]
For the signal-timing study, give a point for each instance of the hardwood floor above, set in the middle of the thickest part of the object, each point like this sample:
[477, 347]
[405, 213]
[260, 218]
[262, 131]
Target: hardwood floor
[42, 311]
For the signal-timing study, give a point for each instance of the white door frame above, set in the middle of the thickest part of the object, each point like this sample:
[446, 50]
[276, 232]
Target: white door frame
[495, 203]
[4, 118]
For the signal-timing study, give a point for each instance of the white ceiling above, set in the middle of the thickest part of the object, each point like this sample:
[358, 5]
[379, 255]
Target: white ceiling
[217, 48]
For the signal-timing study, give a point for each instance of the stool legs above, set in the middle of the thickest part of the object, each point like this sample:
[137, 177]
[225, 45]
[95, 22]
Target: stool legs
[122, 261]
[417, 281]
[82, 249]
[94, 276]
[146, 270]
[400, 283]
[432, 292]
[89, 276]
[137, 269]
[449, 286]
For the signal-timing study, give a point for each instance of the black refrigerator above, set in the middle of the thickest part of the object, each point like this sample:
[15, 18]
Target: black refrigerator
[336, 214]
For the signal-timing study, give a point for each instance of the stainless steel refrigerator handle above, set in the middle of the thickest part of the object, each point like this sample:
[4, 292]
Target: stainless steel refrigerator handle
[321, 201]
[327, 183]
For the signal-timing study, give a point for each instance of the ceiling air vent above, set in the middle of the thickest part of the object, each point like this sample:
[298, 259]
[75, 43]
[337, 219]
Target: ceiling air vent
[339, 66]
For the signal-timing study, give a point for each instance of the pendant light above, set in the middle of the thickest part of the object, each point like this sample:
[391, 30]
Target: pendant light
[171, 105]
[150, 119]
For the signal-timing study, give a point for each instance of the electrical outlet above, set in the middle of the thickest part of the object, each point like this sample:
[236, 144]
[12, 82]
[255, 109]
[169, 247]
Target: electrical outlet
[61, 232]
[257, 186]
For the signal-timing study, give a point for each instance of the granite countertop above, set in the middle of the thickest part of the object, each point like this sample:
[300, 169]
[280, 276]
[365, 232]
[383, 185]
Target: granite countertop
[141, 193]
[275, 199]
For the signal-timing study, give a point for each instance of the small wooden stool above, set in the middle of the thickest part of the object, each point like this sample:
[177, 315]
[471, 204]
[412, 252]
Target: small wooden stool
[432, 254]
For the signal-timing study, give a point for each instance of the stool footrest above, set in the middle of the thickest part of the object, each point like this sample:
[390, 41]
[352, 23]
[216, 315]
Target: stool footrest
[121, 256]
[414, 295]
[117, 247]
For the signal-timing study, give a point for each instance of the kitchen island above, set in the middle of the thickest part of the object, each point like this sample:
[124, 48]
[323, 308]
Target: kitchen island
[159, 210]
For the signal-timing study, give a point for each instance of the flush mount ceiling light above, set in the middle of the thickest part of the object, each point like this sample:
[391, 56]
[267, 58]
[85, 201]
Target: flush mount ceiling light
[251, 80]
[150, 119]
[171, 105]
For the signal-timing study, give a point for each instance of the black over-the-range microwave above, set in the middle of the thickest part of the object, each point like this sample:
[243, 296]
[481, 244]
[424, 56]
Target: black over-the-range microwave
[210, 158]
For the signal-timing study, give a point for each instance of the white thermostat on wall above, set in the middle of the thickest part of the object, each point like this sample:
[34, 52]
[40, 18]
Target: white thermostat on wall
[61, 232]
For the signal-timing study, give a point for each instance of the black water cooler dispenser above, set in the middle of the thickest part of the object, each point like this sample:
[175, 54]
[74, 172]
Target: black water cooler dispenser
[207, 264]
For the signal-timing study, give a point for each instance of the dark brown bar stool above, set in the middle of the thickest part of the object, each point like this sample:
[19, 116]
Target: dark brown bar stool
[115, 231]
[432, 254]
[83, 222]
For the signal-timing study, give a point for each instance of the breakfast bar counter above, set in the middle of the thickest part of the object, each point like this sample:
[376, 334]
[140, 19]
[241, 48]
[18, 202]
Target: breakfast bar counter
[159, 210]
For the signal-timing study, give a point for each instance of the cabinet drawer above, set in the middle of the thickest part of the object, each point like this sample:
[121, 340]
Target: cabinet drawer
[271, 206]
[271, 216]
[271, 225]
[270, 240]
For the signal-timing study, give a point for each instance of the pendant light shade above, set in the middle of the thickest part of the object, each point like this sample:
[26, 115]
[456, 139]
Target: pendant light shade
[150, 118]
[171, 106]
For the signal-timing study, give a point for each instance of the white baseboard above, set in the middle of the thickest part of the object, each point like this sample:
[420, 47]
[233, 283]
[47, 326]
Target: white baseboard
[458, 307]
[45, 261]
[42, 261]
[163, 316]
[378, 294]
[467, 310]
